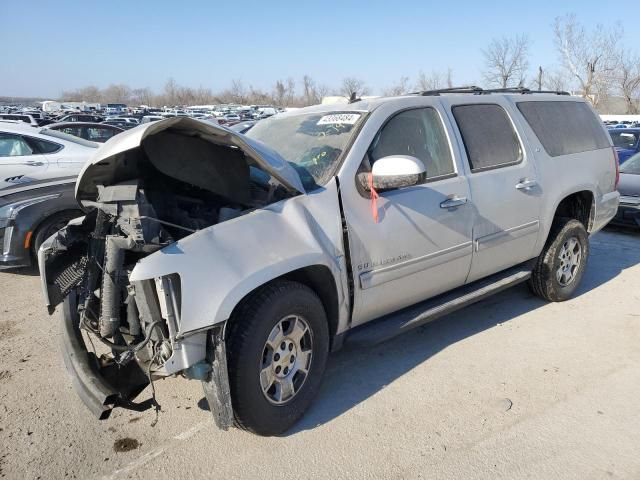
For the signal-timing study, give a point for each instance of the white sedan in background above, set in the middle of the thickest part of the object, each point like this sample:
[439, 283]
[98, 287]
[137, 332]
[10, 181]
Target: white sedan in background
[30, 154]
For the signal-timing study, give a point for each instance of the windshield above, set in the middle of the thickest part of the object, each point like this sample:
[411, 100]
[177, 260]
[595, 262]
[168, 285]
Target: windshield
[622, 139]
[312, 143]
[632, 165]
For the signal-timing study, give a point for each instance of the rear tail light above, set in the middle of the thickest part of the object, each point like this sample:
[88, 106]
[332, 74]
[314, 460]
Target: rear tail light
[616, 160]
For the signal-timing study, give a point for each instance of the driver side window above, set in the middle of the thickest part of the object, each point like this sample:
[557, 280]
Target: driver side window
[418, 132]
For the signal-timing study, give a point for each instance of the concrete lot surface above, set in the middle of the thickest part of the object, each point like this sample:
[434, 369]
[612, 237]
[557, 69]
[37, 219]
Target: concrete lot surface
[509, 388]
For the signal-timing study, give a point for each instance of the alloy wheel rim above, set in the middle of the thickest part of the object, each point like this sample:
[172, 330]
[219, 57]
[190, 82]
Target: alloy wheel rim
[286, 359]
[570, 257]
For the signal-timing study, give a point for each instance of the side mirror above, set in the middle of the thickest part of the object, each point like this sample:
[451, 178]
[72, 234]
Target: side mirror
[394, 171]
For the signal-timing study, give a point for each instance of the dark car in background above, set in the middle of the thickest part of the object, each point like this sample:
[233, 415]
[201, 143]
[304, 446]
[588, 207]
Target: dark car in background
[30, 214]
[81, 117]
[244, 126]
[626, 141]
[94, 132]
[629, 188]
[120, 124]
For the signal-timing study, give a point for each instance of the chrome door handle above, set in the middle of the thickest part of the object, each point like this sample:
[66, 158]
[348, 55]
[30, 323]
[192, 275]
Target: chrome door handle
[32, 163]
[453, 202]
[526, 184]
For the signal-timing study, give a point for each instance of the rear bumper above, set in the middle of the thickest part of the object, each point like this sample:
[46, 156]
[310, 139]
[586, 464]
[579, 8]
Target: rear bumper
[606, 209]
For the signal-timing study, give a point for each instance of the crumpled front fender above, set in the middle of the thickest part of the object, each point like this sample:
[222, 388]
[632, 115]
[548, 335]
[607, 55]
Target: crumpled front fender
[220, 265]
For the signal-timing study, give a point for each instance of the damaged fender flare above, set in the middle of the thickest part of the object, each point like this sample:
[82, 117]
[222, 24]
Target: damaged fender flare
[216, 385]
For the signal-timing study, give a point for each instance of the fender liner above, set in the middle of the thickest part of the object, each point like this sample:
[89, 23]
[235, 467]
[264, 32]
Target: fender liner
[216, 385]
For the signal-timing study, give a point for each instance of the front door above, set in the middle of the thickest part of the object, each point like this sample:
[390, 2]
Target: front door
[19, 161]
[421, 244]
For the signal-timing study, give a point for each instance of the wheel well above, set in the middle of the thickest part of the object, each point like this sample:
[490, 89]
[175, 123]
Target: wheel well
[319, 279]
[36, 228]
[578, 205]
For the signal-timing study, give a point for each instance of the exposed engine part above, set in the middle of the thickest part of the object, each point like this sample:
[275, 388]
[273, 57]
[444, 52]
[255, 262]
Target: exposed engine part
[133, 318]
[141, 200]
[169, 188]
[111, 284]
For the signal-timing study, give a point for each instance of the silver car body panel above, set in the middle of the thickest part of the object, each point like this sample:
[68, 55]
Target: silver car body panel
[423, 252]
[417, 249]
[221, 264]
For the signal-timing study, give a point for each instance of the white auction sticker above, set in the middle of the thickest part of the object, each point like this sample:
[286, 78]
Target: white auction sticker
[348, 118]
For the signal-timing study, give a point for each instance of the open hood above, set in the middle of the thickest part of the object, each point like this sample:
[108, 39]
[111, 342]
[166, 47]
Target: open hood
[109, 164]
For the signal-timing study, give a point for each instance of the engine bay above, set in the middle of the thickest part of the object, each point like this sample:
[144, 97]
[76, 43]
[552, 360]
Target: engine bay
[171, 186]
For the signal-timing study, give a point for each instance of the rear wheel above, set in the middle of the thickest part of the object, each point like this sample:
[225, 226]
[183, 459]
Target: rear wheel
[562, 263]
[278, 345]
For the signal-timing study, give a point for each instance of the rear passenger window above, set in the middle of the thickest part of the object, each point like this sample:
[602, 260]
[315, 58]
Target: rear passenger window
[488, 136]
[42, 146]
[564, 127]
[418, 132]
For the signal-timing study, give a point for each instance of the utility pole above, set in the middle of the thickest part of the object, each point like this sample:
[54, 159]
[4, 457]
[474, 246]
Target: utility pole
[539, 78]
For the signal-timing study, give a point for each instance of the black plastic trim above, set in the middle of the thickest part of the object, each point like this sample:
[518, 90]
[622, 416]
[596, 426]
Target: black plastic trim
[97, 395]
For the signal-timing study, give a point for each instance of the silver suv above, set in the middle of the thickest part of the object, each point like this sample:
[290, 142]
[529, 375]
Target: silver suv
[242, 261]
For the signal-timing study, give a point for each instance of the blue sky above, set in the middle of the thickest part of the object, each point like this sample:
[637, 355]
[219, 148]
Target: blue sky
[50, 46]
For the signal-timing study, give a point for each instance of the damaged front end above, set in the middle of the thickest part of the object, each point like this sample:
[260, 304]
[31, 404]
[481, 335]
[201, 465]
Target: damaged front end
[143, 192]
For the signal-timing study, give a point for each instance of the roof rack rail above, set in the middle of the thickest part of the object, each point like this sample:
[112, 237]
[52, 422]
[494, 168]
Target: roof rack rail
[474, 90]
[466, 89]
[522, 90]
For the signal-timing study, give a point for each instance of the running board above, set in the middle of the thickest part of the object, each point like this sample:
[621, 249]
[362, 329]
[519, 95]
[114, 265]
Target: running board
[397, 323]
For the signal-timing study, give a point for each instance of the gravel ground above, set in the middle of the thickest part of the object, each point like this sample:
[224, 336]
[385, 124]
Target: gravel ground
[511, 387]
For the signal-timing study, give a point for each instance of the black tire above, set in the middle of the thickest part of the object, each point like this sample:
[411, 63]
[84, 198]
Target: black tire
[249, 327]
[544, 282]
[49, 226]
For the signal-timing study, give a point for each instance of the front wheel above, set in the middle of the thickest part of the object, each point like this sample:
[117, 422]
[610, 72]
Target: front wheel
[562, 263]
[278, 346]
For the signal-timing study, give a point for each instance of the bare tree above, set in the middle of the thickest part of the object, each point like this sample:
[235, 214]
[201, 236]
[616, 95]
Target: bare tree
[142, 96]
[116, 93]
[90, 93]
[449, 78]
[291, 92]
[309, 94]
[322, 91]
[259, 97]
[590, 58]
[279, 93]
[353, 86]
[432, 81]
[555, 81]
[506, 61]
[399, 88]
[629, 81]
[170, 92]
[237, 90]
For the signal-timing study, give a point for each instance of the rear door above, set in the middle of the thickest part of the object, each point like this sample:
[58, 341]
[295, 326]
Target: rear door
[503, 183]
[20, 161]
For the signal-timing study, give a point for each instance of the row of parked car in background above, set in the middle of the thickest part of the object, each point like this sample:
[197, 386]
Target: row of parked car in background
[41, 155]
[126, 117]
